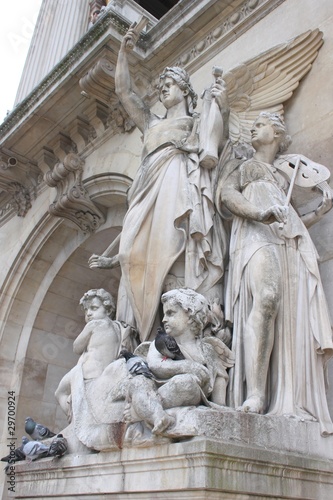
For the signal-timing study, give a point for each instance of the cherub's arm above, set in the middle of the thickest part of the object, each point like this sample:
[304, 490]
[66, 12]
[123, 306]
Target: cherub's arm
[169, 367]
[81, 342]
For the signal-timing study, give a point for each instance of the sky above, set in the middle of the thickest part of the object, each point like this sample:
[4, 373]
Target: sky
[17, 23]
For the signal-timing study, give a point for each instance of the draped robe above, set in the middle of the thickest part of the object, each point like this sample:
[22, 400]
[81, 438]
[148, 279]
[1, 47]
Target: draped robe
[170, 212]
[303, 334]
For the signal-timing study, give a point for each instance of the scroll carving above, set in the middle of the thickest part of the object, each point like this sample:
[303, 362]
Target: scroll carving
[99, 83]
[73, 201]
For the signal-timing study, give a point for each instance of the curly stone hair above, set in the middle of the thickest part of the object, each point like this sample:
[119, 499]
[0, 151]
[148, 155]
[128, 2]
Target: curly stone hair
[279, 126]
[192, 303]
[181, 77]
[104, 296]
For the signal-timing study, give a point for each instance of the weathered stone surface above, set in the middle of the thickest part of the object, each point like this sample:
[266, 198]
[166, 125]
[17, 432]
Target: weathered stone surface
[200, 468]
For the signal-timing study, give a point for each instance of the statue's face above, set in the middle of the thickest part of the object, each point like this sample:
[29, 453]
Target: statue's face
[95, 310]
[170, 93]
[175, 319]
[262, 132]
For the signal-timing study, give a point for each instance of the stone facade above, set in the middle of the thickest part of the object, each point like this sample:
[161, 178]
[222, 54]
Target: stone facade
[70, 135]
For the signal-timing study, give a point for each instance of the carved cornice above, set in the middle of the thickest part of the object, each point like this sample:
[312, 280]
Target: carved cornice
[18, 180]
[109, 18]
[72, 201]
[63, 67]
[223, 33]
[99, 83]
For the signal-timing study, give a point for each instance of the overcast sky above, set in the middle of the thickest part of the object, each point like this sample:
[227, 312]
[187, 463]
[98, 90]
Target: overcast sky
[17, 22]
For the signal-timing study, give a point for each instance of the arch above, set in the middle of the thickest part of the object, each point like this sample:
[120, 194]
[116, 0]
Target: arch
[39, 312]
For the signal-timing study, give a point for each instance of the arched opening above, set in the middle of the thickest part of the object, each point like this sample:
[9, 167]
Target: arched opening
[43, 314]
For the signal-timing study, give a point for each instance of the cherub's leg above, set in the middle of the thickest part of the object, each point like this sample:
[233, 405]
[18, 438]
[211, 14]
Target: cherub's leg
[147, 404]
[63, 395]
[180, 390]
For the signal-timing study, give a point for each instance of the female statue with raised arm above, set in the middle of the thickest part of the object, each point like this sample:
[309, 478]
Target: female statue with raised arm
[170, 206]
[282, 335]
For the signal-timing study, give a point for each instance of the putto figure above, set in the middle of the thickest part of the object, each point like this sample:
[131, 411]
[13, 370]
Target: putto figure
[184, 382]
[282, 334]
[87, 393]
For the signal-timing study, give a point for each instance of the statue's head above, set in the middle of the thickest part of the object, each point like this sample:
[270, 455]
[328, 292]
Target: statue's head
[99, 296]
[194, 304]
[182, 79]
[277, 123]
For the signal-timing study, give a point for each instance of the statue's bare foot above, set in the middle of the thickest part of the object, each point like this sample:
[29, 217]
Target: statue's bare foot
[162, 424]
[253, 404]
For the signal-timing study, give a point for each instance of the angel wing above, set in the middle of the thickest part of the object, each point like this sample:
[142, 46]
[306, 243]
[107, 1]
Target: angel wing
[142, 350]
[224, 353]
[265, 82]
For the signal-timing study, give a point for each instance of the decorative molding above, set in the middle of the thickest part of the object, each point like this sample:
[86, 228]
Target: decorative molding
[99, 83]
[72, 201]
[19, 180]
[119, 121]
[108, 19]
[238, 21]
[228, 27]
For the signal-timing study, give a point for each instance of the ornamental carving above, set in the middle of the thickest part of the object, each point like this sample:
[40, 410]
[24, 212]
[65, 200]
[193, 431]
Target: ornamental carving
[18, 181]
[99, 83]
[72, 201]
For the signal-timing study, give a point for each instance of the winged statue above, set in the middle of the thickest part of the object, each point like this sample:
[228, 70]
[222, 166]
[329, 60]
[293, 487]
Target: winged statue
[263, 84]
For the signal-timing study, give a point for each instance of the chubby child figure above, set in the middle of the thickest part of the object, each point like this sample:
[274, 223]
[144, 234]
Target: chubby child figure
[189, 382]
[98, 344]
[99, 341]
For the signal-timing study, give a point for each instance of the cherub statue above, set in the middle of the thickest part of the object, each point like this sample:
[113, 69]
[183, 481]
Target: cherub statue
[187, 382]
[282, 336]
[86, 392]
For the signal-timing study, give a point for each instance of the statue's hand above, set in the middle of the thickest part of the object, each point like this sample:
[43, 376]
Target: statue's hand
[188, 145]
[102, 262]
[325, 205]
[129, 41]
[275, 213]
[219, 92]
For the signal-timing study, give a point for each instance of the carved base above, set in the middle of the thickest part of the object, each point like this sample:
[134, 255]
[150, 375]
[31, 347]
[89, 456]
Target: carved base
[245, 455]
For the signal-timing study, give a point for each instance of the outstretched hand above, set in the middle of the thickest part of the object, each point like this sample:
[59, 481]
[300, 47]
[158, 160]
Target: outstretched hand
[101, 262]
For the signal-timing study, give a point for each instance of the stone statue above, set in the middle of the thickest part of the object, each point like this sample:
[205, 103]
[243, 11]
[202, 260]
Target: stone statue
[91, 394]
[171, 216]
[184, 382]
[170, 213]
[102, 397]
[282, 335]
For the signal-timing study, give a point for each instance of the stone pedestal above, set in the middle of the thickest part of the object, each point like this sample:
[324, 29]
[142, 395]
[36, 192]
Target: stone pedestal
[245, 456]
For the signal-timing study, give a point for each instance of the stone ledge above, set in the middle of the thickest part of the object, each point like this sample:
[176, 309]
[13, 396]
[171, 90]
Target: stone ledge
[261, 464]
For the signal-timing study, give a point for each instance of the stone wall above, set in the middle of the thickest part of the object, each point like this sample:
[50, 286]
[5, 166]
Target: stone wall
[44, 269]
